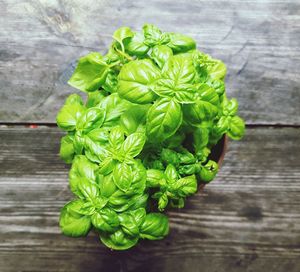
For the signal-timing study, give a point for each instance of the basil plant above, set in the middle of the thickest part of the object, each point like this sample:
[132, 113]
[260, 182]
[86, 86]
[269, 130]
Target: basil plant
[141, 141]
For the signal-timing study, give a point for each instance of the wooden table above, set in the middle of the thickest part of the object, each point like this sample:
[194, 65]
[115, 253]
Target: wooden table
[248, 219]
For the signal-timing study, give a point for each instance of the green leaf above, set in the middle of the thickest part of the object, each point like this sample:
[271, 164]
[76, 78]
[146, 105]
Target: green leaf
[78, 142]
[208, 69]
[95, 151]
[139, 175]
[106, 185]
[205, 106]
[202, 156]
[186, 157]
[122, 175]
[91, 119]
[139, 201]
[185, 186]
[189, 169]
[163, 202]
[134, 196]
[68, 116]
[95, 144]
[200, 137]
[134, 119]
[160, 54]
[218, 85]
[66, 151]
[87, 208]
[178, 77]
[111, 82]
[112, 57]
[163, 119]
[152, 34]
[90, 73]
[171, 173]
[180, 69]
[138, 215]
[155, 178]
[81, 168]
[74, 99]
[75, 207]
[105, 220]
[100, 202]
[236, 128]
[133, 144]
[155, 226]
[88, 190]
[72, 223]
[180, 43]
[94, 99]
[119, 201]
[98, 135]
[81, 207]
[209, 171]
[165, 87]
[118, 240]
[128, 224]
[136, 46]
[185, 94]
[136, 79]
[217, 70]
[230, 107]
[222, 125]
[114, 107]
[169, 156]
[157, 164]
[116, 138]
[121, 34]
[107, 166]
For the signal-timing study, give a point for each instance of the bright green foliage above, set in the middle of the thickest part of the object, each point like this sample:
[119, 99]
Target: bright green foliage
[172, 188]
[155, 108]
[90, 73]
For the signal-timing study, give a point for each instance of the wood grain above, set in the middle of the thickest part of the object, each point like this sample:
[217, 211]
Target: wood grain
[248, 219]
[258, 40]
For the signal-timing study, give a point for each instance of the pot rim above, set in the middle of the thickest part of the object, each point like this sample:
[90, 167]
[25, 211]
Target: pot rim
[224, 149]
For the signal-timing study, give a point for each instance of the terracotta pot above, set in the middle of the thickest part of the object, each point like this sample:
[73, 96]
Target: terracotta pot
[217, 154]
[219, 150]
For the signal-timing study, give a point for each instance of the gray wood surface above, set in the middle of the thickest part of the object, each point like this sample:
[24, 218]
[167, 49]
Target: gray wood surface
[248, 219]
[259, 41]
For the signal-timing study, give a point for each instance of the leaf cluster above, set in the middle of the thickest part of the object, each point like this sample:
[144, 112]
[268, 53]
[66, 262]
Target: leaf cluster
[155, 107]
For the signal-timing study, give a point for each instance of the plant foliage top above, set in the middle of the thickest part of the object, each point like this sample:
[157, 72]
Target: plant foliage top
[141, 142]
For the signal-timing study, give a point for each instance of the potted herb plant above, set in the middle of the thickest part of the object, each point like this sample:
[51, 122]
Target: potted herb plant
[141, 143]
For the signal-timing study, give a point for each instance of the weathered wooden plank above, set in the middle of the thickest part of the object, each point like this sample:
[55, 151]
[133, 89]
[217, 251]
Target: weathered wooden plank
[248, 219]
[258, 40]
